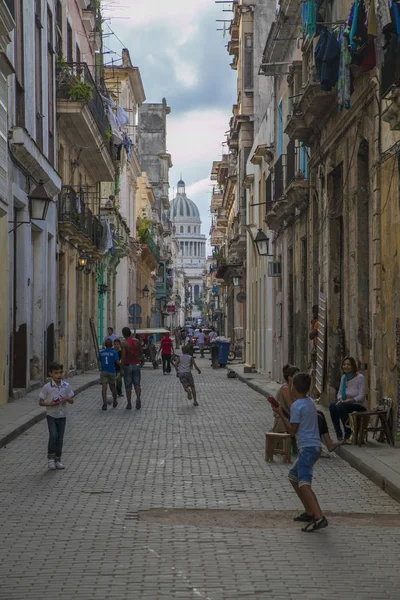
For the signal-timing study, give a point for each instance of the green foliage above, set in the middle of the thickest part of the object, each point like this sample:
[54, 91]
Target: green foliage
[143, 229]
[108, 134]
[80, 90]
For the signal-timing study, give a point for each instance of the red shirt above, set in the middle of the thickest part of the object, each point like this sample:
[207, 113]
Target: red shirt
[166, 345]
[133, 354]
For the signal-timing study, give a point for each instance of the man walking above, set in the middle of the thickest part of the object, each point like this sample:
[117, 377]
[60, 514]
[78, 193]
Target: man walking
[201, 338]
[130, 367]
[110, 336]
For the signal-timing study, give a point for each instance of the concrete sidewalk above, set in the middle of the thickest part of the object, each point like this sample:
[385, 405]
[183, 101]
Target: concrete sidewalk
[18, 416]
[378, 462]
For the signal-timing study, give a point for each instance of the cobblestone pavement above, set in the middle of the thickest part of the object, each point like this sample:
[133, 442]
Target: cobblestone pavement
[91, 531]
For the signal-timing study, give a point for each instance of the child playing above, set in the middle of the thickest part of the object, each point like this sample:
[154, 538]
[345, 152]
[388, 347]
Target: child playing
[55, 396]
[108, 358]
[304, 425]
[183, 367]
[118, 376]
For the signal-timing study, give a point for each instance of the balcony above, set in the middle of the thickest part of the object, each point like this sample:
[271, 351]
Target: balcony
[119, 229]
[150, 252]
[237, 242]
[216, 201]
[217, 238]
[82, 119]
[290, 195]
[78, 222]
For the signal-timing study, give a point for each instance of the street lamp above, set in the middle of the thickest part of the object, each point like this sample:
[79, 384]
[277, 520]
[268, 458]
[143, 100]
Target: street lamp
[145, 292]
[262, 243]
[82, 261]
[236, 280]
[39, 202]
[89, 265]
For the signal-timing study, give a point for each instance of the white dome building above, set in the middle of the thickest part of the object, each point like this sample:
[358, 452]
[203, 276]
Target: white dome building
[186, 222]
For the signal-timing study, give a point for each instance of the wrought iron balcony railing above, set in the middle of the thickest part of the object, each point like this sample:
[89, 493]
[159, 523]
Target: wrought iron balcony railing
[72, 209]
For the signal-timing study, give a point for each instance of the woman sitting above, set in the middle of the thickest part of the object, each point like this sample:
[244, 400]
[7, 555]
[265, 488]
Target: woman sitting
[350, 398]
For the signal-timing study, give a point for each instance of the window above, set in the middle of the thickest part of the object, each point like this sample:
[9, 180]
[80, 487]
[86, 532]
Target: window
[304, 160]
[194, 229]
[38, 74]
[78, 55]
[70, 57]
[181, 229]
[280, 129]
[50, 78]
[188, 228]
[19, 66]
[248, 62]
[59, 48]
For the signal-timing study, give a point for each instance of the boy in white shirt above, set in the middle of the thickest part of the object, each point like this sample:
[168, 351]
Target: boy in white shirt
[183, 367]
[55, 396]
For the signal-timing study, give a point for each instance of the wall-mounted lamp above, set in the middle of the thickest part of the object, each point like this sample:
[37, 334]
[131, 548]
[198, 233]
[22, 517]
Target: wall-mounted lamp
[39, 202]
[89, 265]
[262, 243]
[82, 261]
[145, 292]
[236, 280]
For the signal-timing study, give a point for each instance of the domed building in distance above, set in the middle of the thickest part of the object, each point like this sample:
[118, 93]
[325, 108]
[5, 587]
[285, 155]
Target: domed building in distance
[186, 222]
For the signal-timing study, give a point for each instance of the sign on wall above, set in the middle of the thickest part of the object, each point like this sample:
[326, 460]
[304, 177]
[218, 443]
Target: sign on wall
[319, 378]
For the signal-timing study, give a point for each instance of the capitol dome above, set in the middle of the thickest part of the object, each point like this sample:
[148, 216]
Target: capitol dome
[182, 208]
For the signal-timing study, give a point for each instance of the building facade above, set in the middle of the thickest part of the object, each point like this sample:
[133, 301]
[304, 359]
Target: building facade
[191, 244]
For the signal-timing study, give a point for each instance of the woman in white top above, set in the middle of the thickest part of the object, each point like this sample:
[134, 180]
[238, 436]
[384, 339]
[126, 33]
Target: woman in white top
[350, 398]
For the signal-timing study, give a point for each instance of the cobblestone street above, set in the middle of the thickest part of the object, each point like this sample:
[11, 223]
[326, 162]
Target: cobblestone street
[101, 528]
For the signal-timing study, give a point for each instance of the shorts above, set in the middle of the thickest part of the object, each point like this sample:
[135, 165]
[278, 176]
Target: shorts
[131, 376]
[107, 378]
[302, 470]
[186, 380]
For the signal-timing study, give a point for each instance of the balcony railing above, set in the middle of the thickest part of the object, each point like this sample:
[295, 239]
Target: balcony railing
[268, 193]
[74, 82]
[72, 209]
[279, 172]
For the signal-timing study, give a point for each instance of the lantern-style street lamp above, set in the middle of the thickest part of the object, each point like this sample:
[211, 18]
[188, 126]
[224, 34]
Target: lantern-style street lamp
[39, 201]
[262, 243]
[145, 292]
[82, 261]
[236, 280]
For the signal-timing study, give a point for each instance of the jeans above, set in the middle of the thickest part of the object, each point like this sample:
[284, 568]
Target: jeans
[119, 384]
[131, 376]
[56, 436]
[166, 363]
[340, 412]
[302, 470]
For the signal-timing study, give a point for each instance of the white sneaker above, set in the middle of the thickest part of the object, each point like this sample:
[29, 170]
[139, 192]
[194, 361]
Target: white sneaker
[59, 465]
[51, 464]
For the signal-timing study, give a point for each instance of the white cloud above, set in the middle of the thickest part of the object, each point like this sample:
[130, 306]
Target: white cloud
[178, 13]
[185, 72]
[196, 136]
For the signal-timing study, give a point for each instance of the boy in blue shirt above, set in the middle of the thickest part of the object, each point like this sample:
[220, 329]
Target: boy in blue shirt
[304, 425]
[108, 358]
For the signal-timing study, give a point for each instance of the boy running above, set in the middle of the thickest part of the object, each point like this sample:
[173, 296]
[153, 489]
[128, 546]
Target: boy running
[108, 359]
[304, 425]
[183, 366]
[55, 396]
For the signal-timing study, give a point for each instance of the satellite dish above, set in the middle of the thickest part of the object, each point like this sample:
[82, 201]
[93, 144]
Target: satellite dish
[241, 297]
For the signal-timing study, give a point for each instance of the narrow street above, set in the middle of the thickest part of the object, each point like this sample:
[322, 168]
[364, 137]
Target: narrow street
[176, 502]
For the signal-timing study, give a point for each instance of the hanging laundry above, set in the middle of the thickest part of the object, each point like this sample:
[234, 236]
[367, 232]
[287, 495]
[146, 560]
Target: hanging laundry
[396, 14]
[372, 24]
[122, 116]
[382, 11]
[115, 129]
[327, 56]
[106, 243]
[358, 31]
[309, 18]
[344, 81]
[108, 101]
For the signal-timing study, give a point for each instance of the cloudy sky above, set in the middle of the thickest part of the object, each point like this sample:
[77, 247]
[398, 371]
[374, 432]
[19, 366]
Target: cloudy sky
[183, 58]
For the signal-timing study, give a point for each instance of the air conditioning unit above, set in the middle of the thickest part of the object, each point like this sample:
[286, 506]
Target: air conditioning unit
[274, 269]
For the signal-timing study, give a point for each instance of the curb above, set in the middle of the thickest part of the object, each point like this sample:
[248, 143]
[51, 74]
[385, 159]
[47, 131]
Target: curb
[36, 418]
[379, 476]
[263, 391]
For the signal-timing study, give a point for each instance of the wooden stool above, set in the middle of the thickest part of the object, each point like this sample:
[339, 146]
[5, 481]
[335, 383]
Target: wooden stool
[271, 441]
